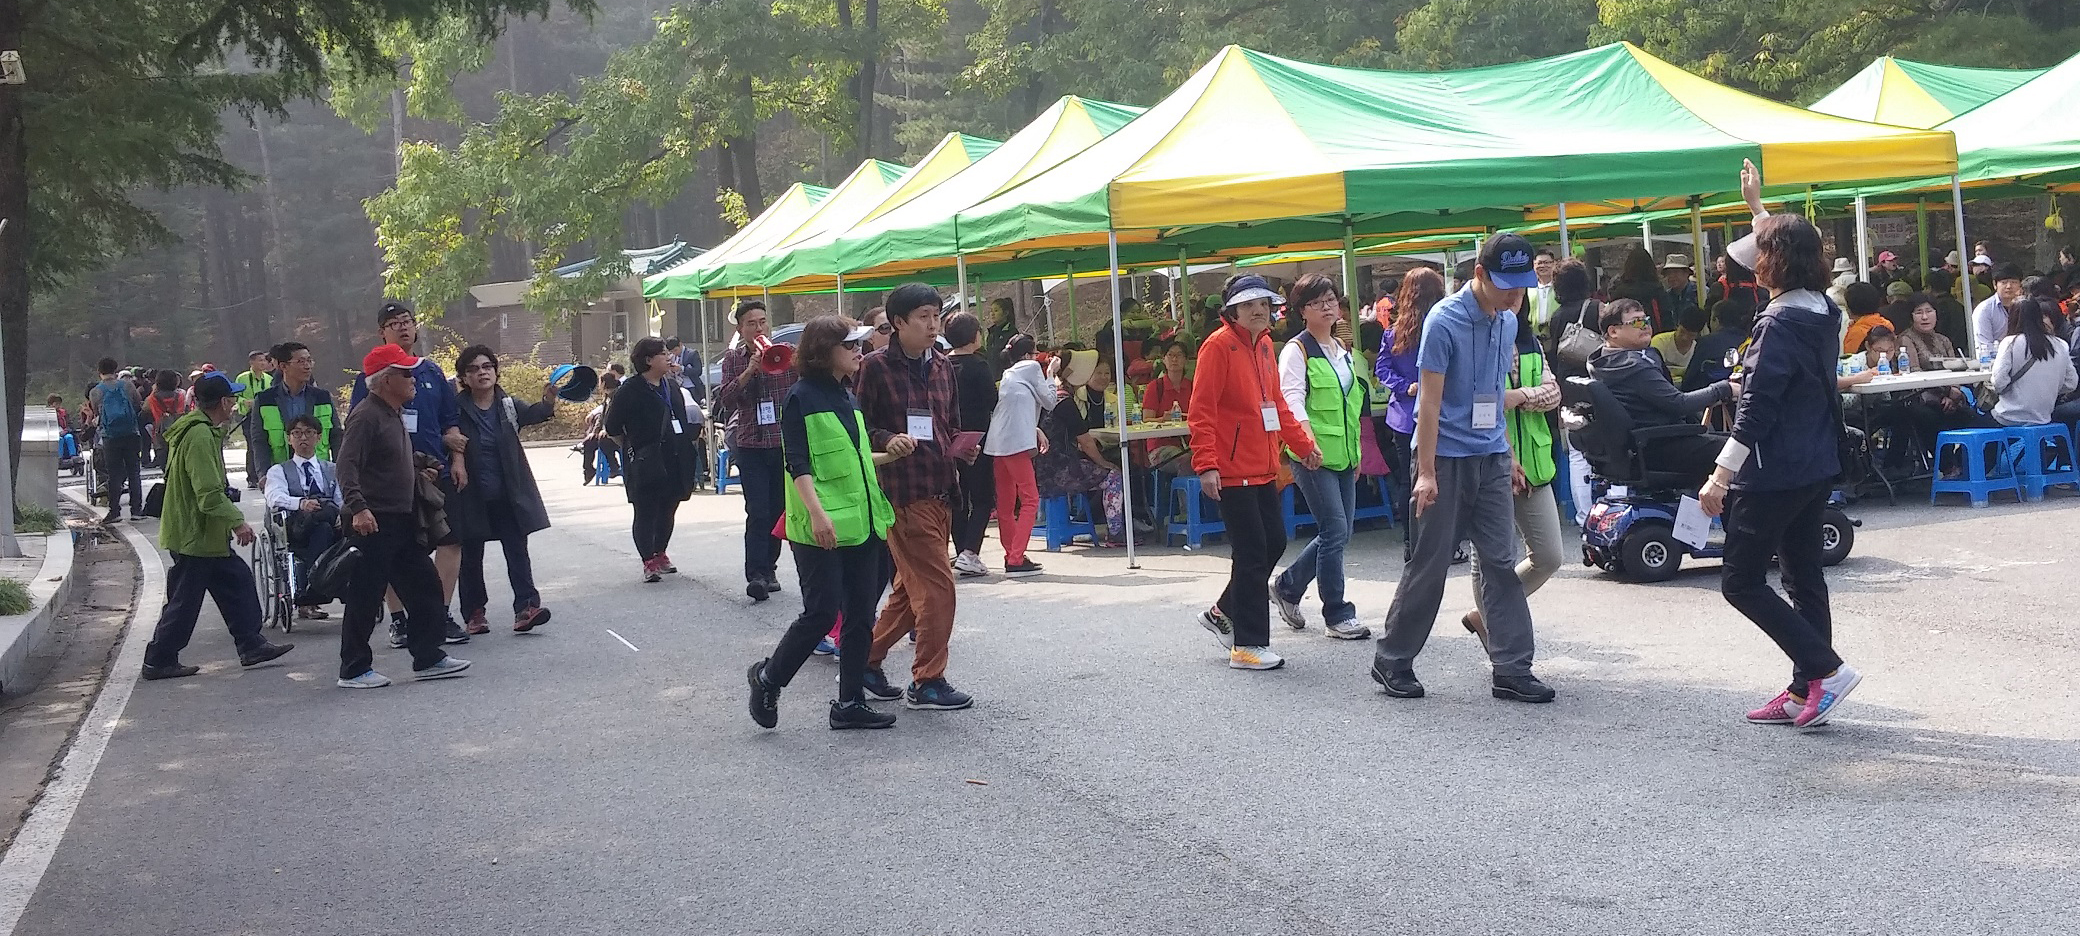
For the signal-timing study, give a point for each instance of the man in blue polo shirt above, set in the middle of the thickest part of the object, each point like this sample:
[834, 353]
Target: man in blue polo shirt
[1465, 475]
[433, 419]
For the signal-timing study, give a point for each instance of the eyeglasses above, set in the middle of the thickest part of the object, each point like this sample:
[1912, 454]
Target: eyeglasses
[884, 329]
[481, 366]
[1325, 302]
[1641, 324]
[849, 345]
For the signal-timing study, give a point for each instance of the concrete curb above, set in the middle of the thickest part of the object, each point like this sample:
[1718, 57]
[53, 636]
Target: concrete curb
[22, 634]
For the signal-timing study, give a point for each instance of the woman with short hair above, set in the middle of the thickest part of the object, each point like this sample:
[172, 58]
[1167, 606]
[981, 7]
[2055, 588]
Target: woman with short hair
[1319, 379]
[648, 414]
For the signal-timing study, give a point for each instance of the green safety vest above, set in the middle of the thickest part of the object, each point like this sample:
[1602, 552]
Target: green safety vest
[278, 432]
[1332, 411]
[846, 484]
[1530, 435]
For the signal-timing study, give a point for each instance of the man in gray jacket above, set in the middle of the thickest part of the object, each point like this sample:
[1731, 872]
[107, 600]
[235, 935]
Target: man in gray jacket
[1633, 372]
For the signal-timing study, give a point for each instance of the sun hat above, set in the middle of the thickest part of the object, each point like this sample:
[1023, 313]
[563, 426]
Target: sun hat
[1077, 370]
[1844, 265]
[1248, 288]
[1677, 262]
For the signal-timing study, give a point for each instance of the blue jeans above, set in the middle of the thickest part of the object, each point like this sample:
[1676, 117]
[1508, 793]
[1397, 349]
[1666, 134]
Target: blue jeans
[1332, 496]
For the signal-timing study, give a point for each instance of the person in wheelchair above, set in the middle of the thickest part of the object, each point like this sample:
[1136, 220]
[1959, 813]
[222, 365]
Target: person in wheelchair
[1629, 367]
[303, 497]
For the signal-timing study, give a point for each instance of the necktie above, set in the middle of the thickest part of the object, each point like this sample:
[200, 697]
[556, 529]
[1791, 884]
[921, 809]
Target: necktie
[310, 482]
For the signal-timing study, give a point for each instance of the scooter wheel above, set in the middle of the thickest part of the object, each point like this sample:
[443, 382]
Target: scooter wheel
[1650, 552]
[1837, 537]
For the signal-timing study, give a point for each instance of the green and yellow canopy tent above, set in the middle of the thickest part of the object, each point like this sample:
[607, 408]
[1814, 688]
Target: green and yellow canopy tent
[858, 200]
[1917, 94]
[868, 183]
[784, 215]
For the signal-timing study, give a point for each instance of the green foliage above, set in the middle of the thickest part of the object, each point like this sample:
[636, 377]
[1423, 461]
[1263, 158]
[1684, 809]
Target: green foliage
[1450, 34]
[33, 519]
[14, 597]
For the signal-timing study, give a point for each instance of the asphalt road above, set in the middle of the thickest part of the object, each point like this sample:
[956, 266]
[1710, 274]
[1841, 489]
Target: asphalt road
[1130, 782]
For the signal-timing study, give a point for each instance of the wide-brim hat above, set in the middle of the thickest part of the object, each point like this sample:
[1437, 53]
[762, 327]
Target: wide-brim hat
[574, 382]
[1077, 370]
[1844, 265]
[1678, 262]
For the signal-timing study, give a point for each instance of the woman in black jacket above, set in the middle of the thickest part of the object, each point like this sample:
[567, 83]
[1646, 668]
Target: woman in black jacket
[1780, 464]
[648, 414]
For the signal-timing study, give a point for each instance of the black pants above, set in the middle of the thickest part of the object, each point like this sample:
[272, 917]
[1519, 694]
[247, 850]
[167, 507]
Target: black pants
[318, 535]
[656, 515]
[391, 558]
[1691, 456]
[1398, 449]
[973, 503]
[121, 460]
[846, 580]
[762, 474]
[602, 448]
[519, 568]
[1256, 539]
[1784, 526]
[228, 581]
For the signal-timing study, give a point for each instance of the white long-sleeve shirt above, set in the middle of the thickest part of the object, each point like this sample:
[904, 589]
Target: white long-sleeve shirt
[1022, 395]
[1990, 320]
[1292, 372]
[2027, 397]
[277, 489]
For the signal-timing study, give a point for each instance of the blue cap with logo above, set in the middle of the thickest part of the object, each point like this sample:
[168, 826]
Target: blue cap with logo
[1506, 258]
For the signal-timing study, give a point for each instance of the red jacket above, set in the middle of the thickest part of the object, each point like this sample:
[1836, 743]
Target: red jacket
[1233, 384]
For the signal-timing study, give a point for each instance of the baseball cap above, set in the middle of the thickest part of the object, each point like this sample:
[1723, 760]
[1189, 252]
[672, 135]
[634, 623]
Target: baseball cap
[388, 355]
[214, 386]
[1898, 289]
[1886, 256]
[1248, 288]
[1507, 260]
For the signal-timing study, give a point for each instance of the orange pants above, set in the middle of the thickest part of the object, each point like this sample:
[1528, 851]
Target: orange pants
[1018, 503]
[922, 599]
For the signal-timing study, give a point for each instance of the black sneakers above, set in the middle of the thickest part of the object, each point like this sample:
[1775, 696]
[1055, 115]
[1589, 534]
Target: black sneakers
[454, 633]
[264, 653]
[765, 700]
[772, 583]
[398, 637]
[756, 589]
[1525, 688]
[1400, 684]
[845, 715]
[936, 695]
[878, 687]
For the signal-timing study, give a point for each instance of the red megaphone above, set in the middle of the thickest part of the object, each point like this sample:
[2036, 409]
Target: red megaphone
[772, 358]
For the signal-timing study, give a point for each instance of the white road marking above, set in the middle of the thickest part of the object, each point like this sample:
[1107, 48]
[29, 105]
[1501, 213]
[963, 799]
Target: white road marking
[624, 641]
[22, 868]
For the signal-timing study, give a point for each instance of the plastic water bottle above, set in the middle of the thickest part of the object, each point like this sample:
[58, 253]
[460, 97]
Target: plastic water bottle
[1904, 366]
[1884, 365]
[1986, 359]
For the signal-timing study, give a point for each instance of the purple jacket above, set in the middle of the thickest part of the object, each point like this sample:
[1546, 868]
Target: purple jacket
[1399, 374]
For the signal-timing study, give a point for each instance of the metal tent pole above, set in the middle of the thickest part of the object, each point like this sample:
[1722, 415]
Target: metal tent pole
[1921, 235]
[1566, 248]
[960, 268]
[1069, 283]
[1696, 242]
[1863, 246]
[841, 294]
[1964, 274]
[1646, 235]
[1119, 377]
[1184, 286]
[1350, 277]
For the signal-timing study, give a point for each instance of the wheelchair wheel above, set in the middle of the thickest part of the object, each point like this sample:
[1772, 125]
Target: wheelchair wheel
[1837, 537]
[1650, 552]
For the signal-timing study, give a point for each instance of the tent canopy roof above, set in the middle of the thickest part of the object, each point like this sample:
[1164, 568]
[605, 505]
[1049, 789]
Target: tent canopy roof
[1918, 94]
[680, 281]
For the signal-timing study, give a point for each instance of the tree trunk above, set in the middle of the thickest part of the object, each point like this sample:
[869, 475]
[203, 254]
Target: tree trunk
[282, 319]
[261, 313]
[14, 241]
[397, 134]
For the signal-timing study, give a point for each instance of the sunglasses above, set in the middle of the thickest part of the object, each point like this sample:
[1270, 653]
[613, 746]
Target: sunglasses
[481, 366]
[849, 345]
[1641, 324]
[884, 328]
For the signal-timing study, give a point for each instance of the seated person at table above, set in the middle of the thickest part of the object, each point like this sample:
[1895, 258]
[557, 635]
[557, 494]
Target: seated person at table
[1075, 462]
[1171, 391]
[1926, 346]
[1629, 367]
[305, 491]
[1914, 417]
[1677, 347]
[1864, 301]
[2032, 368]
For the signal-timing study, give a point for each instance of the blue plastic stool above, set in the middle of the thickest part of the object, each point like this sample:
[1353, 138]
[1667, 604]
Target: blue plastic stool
[2047, 458]
[1289, 509]
[1058, 526]
[1985, 465]
[1385, 507]
[1195, 526]
[722, 476]
[601, 471]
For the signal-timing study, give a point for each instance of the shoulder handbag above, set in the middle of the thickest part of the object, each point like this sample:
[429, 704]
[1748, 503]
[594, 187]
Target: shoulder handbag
[1991, 395]
[1578, 342]
[329, 574]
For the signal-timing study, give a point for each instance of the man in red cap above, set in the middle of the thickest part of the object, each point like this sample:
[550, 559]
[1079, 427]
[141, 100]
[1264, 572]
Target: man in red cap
[379, 484]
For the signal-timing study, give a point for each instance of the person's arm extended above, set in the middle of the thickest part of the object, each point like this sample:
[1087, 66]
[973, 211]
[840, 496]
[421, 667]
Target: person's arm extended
[1665, 398]
[534, 414]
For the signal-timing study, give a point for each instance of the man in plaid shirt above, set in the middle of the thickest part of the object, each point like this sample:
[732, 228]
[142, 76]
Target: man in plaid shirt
[906, 393]
[753, 398]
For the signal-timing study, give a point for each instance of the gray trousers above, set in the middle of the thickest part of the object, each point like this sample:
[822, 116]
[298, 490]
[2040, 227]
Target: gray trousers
[1473, 502]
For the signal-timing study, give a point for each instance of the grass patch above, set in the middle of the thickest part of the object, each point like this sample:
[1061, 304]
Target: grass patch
[14, 597]
[35, 520]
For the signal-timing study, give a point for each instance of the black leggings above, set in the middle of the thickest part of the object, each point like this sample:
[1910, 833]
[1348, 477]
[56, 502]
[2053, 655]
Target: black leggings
[655, 516]
[1396, 448]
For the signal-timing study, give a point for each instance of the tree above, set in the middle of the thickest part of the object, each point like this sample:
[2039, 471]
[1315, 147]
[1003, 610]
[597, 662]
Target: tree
[123, 96]
[1449, 34]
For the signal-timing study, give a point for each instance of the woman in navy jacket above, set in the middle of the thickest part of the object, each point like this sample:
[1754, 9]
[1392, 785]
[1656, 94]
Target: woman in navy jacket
[1777, 471]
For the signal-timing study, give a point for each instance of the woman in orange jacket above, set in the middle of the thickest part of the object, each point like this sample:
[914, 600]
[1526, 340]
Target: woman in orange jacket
[1239, 420]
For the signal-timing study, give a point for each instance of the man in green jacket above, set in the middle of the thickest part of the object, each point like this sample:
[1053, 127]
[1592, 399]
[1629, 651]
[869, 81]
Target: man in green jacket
[259, 376]
[197, 524]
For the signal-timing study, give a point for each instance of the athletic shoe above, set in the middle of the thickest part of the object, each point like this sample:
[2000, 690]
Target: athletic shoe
[1824, 696]
[765, 699]
[969, 565]
[266, 652]
[1782, 710]
[755, 588]
[1223, 630]
[534, 616]
[936, 695]
[368, 680]
[448, 666]
[1346, 630]
[175, 671]
[453, 633]
[398, 635]
[772, 584]
[1021, 568]
[476, 624]
[878, 687]
[1254, 658]
[1288, 611]
[824, 647]
[312, 614]
[1525, 688]
[652, 572]
[1400, 684]
[664, 564]
[113, 516]
[846, 715]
